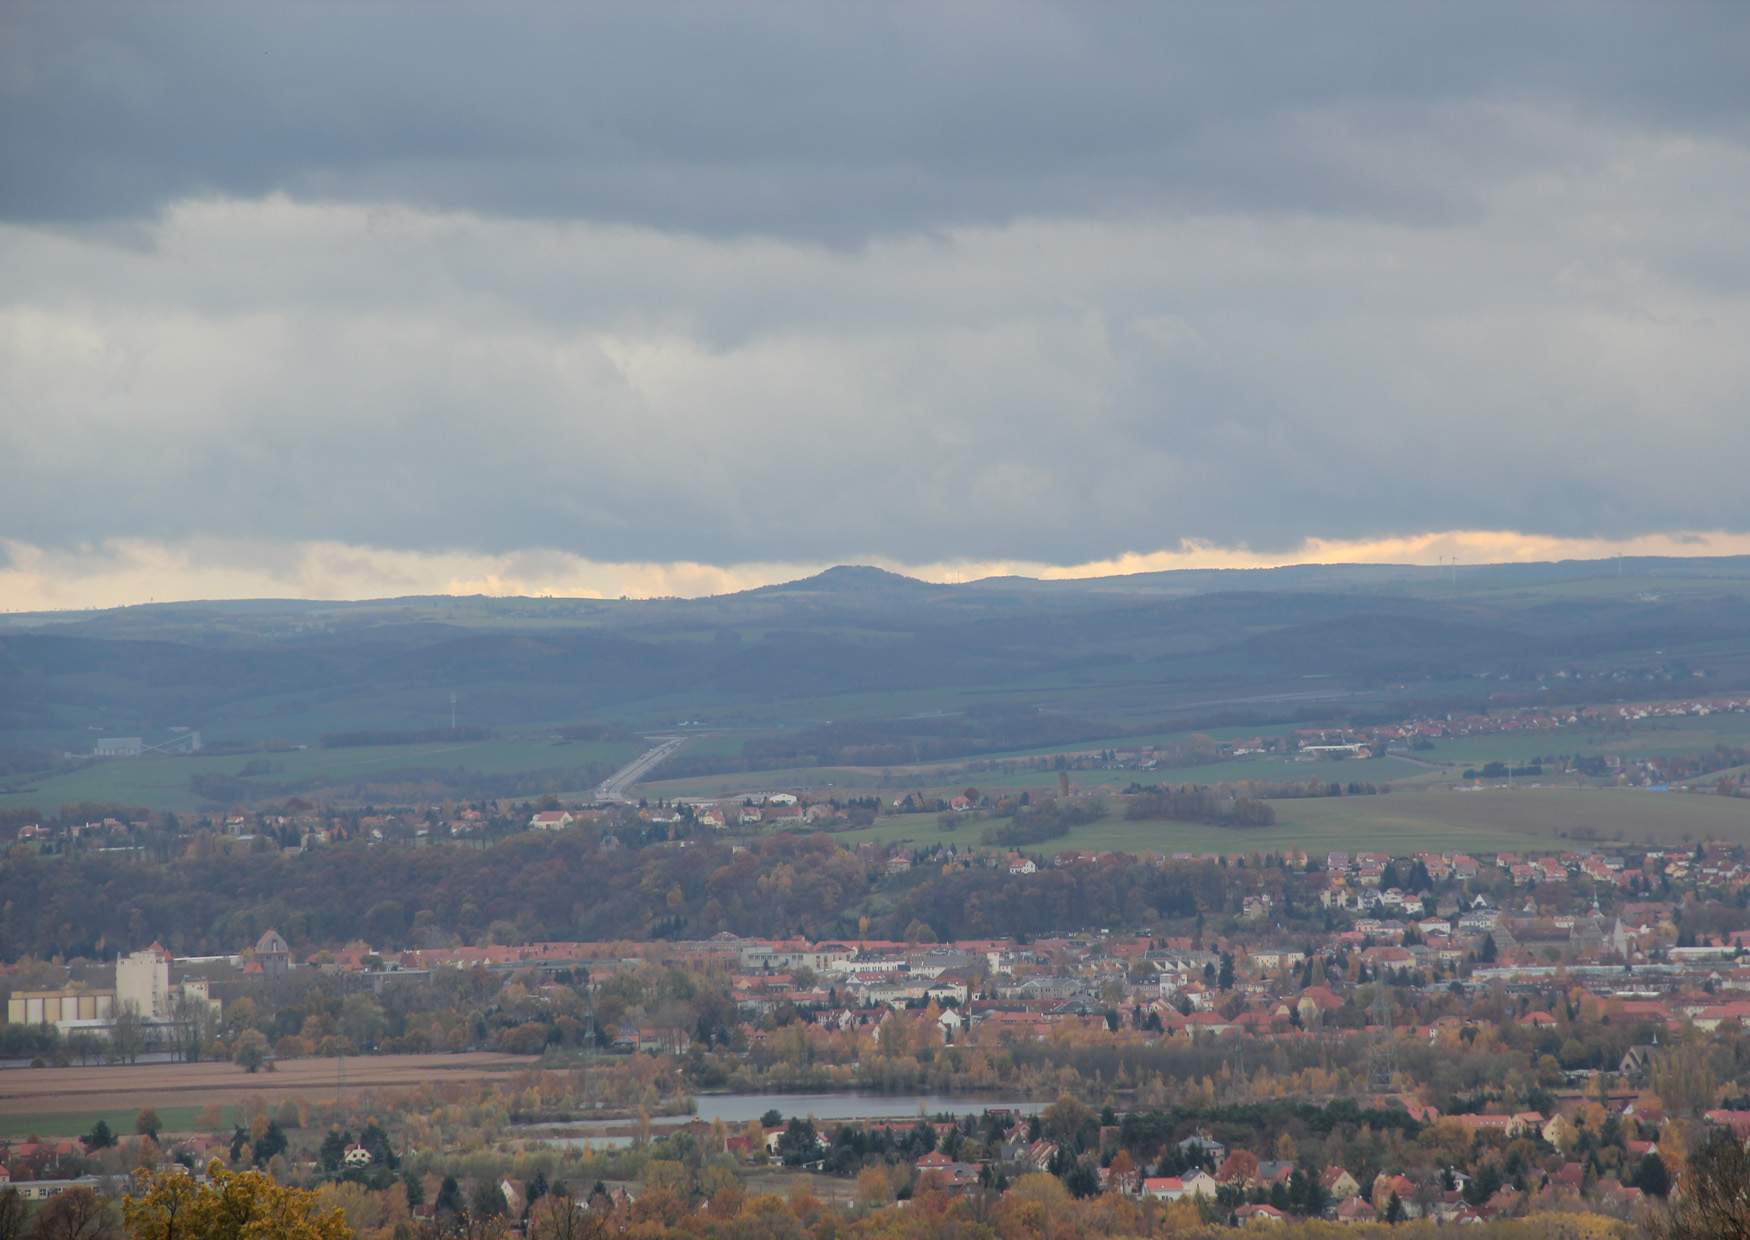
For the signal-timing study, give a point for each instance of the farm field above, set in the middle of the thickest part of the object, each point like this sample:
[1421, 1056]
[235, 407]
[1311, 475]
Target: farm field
[66, 1101]
[952, 776]
[1649, 738]
[120, 1120]
[1487, 820]
[1548, 816]
[1121, 835]
[823, 780]
[1442, 764]
[1266, 768]
[162, 781]
[1146, 739]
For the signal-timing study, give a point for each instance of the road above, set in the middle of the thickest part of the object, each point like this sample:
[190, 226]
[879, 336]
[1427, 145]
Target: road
[614, 787]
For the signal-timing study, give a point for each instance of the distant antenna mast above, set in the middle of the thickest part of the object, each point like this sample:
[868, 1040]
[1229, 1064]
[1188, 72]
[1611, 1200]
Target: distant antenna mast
[452, 712]
[1384, 1065]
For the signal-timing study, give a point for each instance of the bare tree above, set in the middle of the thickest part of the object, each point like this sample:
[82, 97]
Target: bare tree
[191, 1027]
[76, 1214]
[1712, 1201]
[127, 1035]
[12, 1212]
[555, 1217]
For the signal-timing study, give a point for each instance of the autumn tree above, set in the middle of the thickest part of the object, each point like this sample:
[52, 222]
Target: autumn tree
[251, 1050]
[230, 1206]
[874, 1187]
[1067, 1119]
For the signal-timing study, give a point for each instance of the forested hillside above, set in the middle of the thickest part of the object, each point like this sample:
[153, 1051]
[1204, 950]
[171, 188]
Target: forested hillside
[963, 668]
[560, 887]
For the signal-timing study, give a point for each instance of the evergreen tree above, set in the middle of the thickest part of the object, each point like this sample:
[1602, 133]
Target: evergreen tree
[272, 1142]
[99, 1138]
[374, 1139]
[537, 1189]
[333, 1149]
[487, 1201]
[1652, 1177]
[1394, 1210]
[1082, 1180]
[449, 1198]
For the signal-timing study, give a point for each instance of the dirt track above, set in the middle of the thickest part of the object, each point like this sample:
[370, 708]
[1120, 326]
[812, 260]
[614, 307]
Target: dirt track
[34, 1091]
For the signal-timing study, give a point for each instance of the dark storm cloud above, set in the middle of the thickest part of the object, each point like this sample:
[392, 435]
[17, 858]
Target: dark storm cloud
[817, 120]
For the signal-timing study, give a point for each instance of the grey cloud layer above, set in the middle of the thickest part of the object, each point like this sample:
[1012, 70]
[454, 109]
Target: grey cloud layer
[1050, 390]
[820, 120]
[1095, 278]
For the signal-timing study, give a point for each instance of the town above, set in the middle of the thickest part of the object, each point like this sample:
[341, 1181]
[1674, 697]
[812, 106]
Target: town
[1534, 1030]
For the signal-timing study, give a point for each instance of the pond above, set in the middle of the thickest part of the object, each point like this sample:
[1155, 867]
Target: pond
[736, 1110]
[740, 1108]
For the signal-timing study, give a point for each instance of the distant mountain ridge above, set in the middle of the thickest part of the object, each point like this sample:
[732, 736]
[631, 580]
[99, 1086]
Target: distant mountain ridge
[1192, 647]
[846, 578]
[851, 579]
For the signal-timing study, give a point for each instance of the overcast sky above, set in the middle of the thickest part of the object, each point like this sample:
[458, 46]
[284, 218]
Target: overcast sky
[382, 298]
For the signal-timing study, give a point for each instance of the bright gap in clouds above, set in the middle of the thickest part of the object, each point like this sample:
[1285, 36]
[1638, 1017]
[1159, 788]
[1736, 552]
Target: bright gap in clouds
[124, 572]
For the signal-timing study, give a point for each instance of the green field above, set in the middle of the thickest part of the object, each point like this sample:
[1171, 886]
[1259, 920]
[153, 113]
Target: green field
[1520, 817]
[78, 1123]
[947, 776]
[162, 781]
[1645, 739]
[1489, 820]
[820, 780]
[1265, 768]
[1442, 764]
[1146, 739]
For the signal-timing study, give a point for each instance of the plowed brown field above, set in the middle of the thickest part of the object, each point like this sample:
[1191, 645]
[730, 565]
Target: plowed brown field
[37, 1091]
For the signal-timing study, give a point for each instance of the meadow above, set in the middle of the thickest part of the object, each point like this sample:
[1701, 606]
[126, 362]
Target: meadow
[949, 777]
[1486, 820]
[33, 1124]
[1647, 738]
[1442, 764]
[163, 781]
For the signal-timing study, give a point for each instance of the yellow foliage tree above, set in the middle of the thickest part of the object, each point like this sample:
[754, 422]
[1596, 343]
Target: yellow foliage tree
[873, 1187]
[230, 1206]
